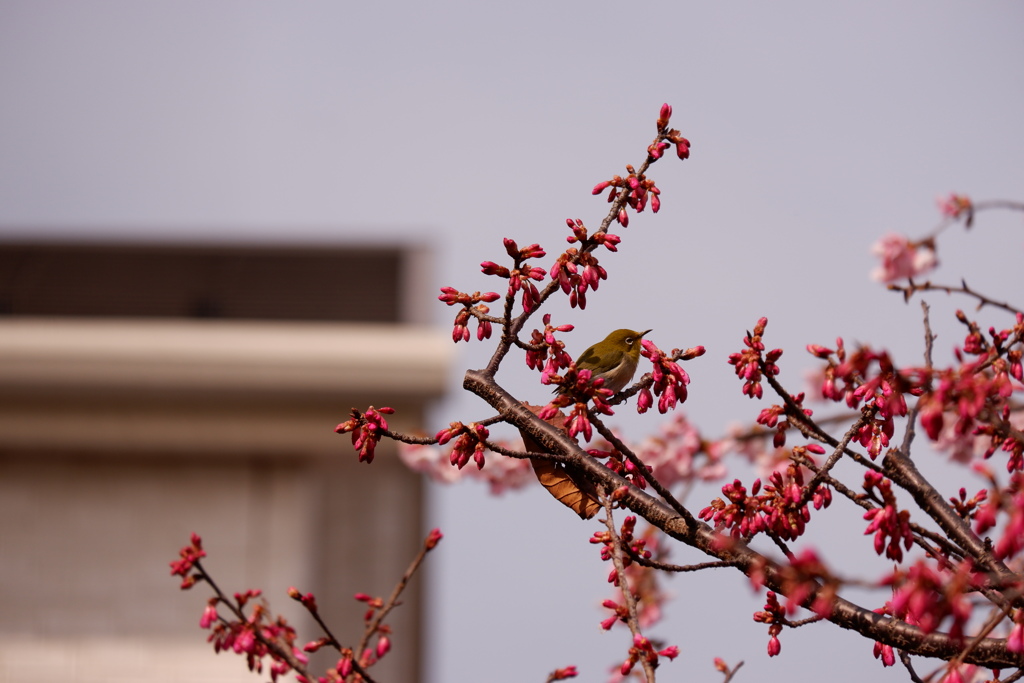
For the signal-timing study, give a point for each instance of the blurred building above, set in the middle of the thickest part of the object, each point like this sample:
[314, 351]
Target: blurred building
[149, 391]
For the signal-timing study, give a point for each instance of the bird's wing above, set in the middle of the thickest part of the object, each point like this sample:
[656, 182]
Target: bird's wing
[591, 358]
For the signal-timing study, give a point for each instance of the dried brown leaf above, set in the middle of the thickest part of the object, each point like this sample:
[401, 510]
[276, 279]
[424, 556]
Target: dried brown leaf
[574, 492]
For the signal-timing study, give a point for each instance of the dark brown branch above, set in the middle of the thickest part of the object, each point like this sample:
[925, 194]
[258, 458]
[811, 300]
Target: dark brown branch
[898, 466]
[912, 288]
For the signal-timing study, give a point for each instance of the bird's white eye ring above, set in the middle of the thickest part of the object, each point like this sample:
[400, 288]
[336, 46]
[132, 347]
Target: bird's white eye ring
[630, 340]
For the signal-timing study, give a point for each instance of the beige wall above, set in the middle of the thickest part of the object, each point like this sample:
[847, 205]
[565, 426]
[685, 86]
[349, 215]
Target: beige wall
[120, 438]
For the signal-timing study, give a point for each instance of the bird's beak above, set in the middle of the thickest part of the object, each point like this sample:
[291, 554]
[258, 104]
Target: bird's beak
[643, 333]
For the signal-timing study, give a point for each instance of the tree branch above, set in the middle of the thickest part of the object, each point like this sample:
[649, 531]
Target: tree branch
[990, 652]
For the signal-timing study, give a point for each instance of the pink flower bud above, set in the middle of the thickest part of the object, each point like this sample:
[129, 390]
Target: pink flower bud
[210, 615]
[344, 666]
[492, 268]
[383, 646]
[683, 148]
[433, 538]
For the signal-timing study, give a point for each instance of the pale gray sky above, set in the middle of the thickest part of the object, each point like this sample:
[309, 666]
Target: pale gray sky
[816, 128]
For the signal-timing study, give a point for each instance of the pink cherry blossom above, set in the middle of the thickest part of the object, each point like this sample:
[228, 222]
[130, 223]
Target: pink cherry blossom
[902, 258]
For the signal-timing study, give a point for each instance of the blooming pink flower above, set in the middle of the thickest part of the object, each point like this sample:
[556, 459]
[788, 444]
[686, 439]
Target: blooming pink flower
[954, 205]
[679, 454]
[902, 258]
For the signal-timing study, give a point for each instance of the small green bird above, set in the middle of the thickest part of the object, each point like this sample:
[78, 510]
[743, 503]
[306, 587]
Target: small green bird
[614, 359]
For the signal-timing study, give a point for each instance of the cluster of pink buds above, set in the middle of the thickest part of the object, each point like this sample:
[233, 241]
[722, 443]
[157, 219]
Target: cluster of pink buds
[925, 597]
[1012, 540]
[579, 418]
[780, 508]
[969, 508]
[869, 377]
[210, 615]
[782, 504]
[669, 378]
[521, 276]
[644, 649]
[620, 613]
[372, 655]
[636, 545]
[884, 653]
[979, 393]
[773, 615]
[890, 526]
[749, 363]
[580, 388]
[769, 417]
[1011, 501]
[190, 556]
[575, 272]
[1015, 641]
[668, 136]
[579, 234]
[618, 464]
[366, 428]
[807, 575]
[471, 308]
[546, 353]
[741, 515]
[471, 443]
[257, 638]
[341, 671]
[638, 190]
[970, 392]
[308, 600]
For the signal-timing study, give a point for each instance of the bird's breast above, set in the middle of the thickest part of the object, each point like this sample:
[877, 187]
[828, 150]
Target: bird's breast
[619, 376]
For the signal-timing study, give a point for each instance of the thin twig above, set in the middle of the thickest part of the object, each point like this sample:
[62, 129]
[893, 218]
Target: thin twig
[729, 673]
[905, 659]
[913, 288]
[620, 571]
[669, 567]
[642, 469]
[808, 427]
[867, 414]
[392, 601]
